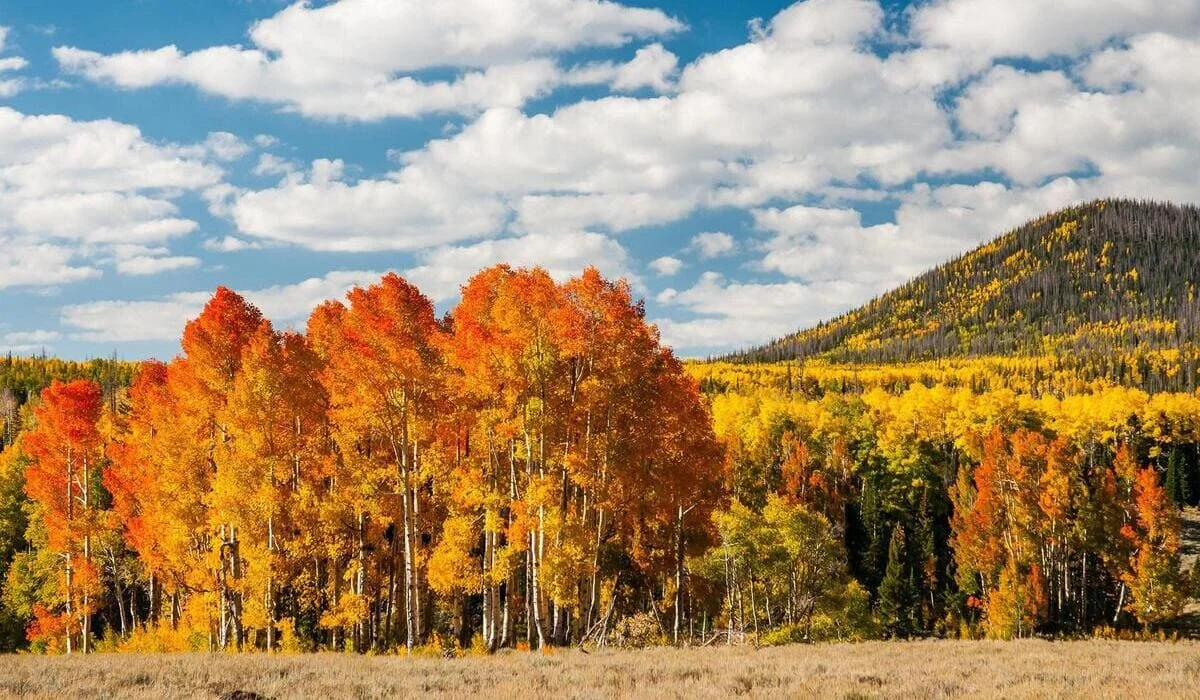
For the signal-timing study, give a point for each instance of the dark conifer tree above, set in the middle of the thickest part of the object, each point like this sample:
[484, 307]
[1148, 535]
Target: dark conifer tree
[896, 594]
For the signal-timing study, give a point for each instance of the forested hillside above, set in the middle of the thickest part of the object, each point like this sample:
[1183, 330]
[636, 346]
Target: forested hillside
[1109, 286]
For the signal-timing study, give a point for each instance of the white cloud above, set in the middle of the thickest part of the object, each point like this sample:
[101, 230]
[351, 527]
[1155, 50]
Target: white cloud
[728, 135]
[822, 244]
[29, 337]
[824, 22]
[652, 67]
[141, 265]
[322, 212]
[271, 164]
[28, 341]
[1037, 29]
[126, 321]
[229, 244]
[443, 270]
[226, 146]
[10, 86]
[736, 314]
[30, 264]
[101, 217]
[355, 59]
[713, 244]
[164, 319]
[666, 266]
[74, 187]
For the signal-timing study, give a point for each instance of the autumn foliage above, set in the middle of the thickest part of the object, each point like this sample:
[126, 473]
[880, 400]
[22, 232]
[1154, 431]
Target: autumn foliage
[516, 470]
[534, 469]
[967, 509]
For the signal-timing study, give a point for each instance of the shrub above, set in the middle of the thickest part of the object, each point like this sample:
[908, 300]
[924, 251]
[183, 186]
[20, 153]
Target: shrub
[638, 631]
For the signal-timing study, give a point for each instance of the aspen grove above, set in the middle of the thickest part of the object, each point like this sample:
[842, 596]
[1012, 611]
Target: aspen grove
[505, 472]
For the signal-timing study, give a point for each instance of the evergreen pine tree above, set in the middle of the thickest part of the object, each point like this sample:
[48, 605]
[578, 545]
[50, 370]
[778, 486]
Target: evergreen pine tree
[896, 595]
[1185, 478]
[1191, 474]
[1175, 478]
[924, 566]
[871, 557]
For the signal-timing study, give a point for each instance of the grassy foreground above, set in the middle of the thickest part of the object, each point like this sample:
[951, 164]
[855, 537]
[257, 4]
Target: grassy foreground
[879, 669]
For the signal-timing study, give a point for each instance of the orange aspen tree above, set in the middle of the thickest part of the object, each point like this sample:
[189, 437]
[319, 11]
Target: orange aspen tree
[271, 414]
[1157, 591]
[506, 347]
[137, 482]
[385, 379]
[66, 453]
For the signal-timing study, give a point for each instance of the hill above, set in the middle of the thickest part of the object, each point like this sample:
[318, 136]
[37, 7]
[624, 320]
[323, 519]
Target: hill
[1110, 284]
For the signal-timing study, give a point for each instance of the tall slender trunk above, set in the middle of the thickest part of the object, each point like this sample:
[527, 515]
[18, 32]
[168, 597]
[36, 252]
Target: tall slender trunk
[678, 575]
[535, 549]
[70, 597]
[754, 609]
[594, 588]
[269, 598]
[69, 573]
[87, 560]
[729, 591]
[360, 581]
[118, 592]
[410, 611]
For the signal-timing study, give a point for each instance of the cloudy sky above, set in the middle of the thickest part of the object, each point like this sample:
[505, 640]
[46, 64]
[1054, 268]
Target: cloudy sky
[750, 167]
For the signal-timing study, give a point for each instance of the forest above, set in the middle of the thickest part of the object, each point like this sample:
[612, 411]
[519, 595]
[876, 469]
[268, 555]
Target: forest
[535, 469]
[1073, 285]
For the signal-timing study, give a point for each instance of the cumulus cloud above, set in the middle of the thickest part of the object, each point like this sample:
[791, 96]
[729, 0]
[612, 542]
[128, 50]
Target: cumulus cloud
[1035, 29]
[727, 134]
[357, 59]
[226, 146]
[73, 192]
[651, 67]
[443, 270]
[141, 265]
[731, 314]
[666, 266]
[28, 341]
[29, 337]
[163, 319]
[713, 244]
[228, 244]
[322, 210]
[9, 86]
[27, 263]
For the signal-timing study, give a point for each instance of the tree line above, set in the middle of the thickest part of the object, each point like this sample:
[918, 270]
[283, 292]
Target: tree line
[972, 513]
[534, 469]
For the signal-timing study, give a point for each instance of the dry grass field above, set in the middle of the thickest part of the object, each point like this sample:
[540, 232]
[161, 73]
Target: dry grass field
[1092, 669]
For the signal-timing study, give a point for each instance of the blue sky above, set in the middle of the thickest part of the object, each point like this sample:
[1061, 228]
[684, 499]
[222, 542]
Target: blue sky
[750, 167]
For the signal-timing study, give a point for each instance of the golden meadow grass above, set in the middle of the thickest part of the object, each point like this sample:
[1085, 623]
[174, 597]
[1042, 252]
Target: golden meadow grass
[1027, 668]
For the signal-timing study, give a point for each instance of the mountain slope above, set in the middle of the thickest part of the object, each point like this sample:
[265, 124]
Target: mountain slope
[1111, 276]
